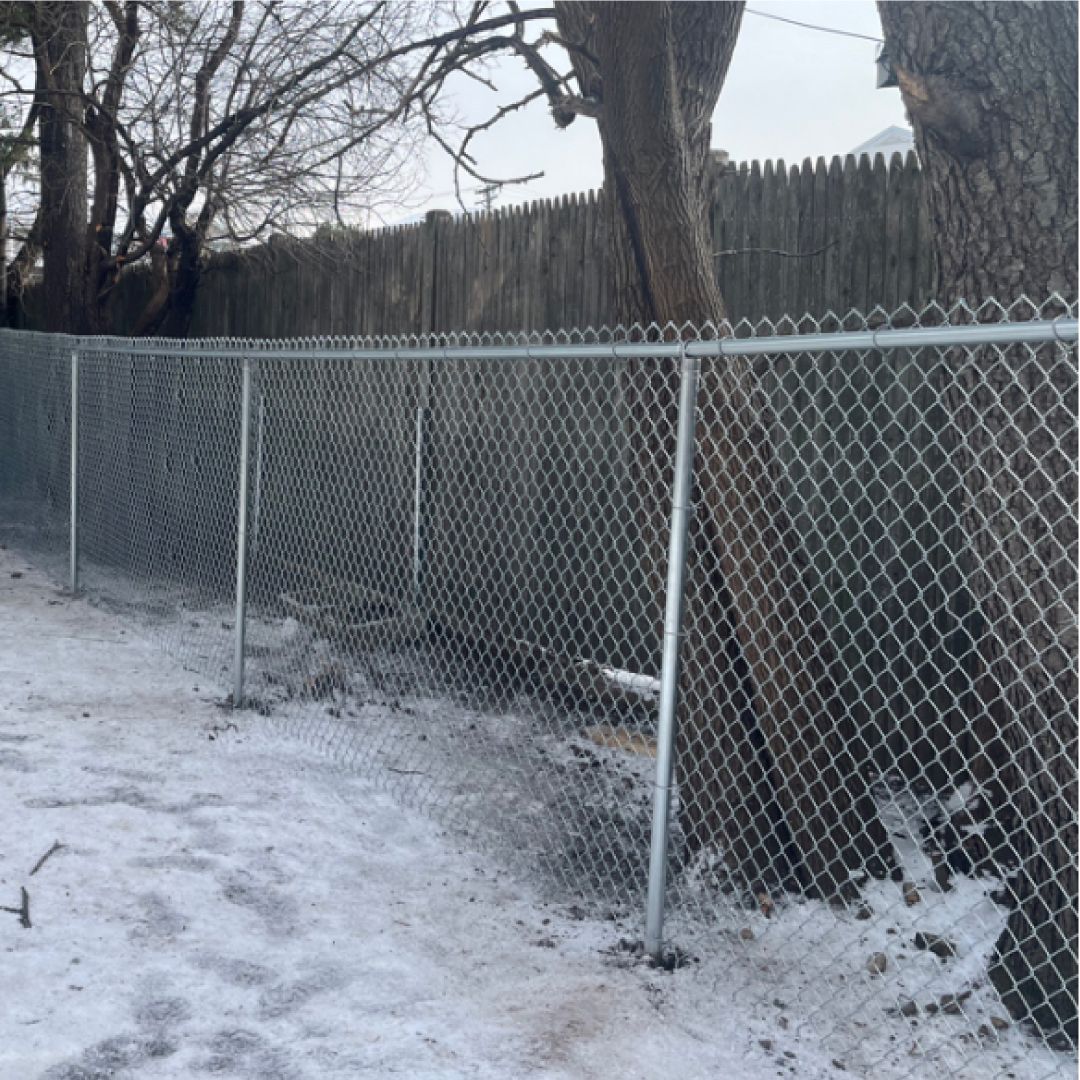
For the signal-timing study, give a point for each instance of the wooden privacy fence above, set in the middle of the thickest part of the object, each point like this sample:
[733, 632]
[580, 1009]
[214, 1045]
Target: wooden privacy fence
[852, 234]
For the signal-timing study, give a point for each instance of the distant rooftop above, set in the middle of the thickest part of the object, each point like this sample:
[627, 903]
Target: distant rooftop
[893, 140]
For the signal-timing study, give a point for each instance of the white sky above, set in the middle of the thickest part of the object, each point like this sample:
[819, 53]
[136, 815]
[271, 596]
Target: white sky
[791, 93]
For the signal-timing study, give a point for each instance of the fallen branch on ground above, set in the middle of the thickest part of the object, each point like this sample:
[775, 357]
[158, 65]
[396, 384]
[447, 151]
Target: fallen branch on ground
[23, 911]
[41, 862]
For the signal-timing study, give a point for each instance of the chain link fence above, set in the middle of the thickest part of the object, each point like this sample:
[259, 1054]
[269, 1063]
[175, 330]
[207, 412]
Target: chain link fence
[772, 637]
[35, 446]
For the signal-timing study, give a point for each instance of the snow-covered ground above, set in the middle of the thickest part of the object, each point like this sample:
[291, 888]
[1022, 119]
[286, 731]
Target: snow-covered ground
[237, 907]
[226, 902]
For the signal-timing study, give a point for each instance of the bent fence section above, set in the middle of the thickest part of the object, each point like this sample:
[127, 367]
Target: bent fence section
[842, 718]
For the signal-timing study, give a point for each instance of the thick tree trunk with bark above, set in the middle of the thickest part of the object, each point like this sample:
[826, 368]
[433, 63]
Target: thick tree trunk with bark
[991, 90]
[177, 272]
[766, 769]
[102, 269]
[59, 36]
[185, 272]
[5, 314]
[17, 273]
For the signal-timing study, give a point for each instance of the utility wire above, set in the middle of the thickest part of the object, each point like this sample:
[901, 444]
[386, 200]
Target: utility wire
[812, 26]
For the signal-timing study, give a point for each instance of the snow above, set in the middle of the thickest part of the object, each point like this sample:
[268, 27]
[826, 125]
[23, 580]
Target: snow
[228, 901]
[238, 906]
[819, 956]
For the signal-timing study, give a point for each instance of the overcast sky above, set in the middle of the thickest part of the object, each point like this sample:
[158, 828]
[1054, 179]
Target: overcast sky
[791, 93]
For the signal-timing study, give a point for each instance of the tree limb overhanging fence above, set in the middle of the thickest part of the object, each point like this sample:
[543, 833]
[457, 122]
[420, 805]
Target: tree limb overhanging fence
[439, 559]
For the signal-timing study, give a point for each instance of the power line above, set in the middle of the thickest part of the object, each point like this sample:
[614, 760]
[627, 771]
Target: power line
[812, 26]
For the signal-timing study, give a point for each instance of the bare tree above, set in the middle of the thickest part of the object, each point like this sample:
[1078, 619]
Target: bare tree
[226, 122]
[991, 91]
[223, 121]
[17, 157]
[58, 34]
[19, 222]
[217, 121]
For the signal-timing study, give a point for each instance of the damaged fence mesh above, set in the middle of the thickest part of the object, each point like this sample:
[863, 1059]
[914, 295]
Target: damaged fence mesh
[456, 566]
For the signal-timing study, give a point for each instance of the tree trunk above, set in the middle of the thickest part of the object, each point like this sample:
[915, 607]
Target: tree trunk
[153, 312]
[185, 272]
[17, 273]
[766, 769]
[5, 301]
[102, 126]
[177, 271]
[59, 35]
[991, 91]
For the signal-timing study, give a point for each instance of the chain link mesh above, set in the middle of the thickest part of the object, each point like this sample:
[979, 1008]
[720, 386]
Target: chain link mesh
[35, 446]
[455, 582]
[158, 481]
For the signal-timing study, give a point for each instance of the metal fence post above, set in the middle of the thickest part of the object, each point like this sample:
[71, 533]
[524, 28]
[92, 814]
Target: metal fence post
[256, 492]
[681, 510]
[73, 480]
[242, 535]
[418, 506]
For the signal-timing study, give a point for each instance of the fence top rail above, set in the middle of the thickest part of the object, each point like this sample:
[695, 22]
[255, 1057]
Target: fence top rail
[1063, 330]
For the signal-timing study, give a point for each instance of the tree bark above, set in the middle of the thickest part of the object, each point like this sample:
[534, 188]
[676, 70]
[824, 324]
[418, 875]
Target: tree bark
[5, 304]
[153, 312]
[991, 92]
[59, 36]
[17, 273]
[177, 272]
[102, 269]
[766, 764]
